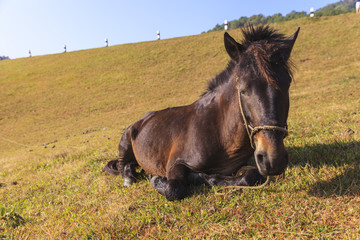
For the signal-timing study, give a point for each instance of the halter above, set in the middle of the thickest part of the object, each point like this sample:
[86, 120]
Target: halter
[251, 131]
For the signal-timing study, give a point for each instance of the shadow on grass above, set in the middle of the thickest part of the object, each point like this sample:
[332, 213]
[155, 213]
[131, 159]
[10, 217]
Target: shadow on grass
[345, 155]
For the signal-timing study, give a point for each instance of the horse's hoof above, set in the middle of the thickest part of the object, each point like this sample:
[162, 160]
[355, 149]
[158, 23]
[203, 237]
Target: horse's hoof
[159, 183]
[153, 181]
[128, 182]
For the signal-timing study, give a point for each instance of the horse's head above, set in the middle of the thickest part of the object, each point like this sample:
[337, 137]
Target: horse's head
[262, 76]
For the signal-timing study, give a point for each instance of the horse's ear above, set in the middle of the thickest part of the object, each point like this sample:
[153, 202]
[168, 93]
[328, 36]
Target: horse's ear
[289, 44]
[232, 47]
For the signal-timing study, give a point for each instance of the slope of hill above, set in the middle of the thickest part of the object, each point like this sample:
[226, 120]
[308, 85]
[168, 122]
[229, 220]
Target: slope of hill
[61, 117]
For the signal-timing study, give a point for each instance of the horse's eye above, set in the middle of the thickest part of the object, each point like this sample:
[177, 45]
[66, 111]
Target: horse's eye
[244, 89]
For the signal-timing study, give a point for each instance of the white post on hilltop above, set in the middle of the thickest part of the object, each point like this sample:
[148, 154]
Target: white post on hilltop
[312, 12]
[158, 34]
[106, 42]
[225, 25]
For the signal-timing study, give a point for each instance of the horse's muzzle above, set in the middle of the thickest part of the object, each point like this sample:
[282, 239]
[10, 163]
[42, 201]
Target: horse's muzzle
[271, 164]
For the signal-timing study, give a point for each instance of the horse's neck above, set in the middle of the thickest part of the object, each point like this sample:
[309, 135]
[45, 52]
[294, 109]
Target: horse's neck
[233, 128]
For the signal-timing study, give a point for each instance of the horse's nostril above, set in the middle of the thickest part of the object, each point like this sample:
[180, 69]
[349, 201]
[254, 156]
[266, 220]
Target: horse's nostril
[262, 162]
[260, 158]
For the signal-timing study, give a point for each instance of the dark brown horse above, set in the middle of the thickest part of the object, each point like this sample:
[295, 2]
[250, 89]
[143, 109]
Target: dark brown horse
[243, 112]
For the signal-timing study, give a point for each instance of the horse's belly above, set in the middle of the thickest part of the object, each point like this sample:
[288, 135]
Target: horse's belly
[151, 152]
[156, 137]
[228, 169]
[220, 166]
[151, 162]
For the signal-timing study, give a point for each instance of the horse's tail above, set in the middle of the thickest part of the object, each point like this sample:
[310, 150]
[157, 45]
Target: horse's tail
[112, 167]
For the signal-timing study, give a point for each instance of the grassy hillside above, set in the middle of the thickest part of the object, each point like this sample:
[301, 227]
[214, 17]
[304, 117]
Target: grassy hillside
[61, 117]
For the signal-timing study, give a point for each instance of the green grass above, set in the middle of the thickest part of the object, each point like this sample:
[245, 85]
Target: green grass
[61, 118]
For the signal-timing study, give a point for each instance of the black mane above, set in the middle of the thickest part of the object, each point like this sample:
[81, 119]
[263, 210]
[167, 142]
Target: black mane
[221, 78]
[264, 34]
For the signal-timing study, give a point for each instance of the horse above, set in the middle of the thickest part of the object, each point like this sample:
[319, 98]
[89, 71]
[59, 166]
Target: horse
[243, 112]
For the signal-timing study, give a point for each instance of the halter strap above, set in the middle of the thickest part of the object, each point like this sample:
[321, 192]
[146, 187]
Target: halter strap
[251, 131]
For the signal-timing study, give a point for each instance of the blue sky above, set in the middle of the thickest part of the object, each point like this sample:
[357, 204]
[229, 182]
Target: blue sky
[45, 26]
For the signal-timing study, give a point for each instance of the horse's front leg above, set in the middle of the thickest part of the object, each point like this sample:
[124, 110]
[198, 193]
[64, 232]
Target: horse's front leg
[175, 186]
[161, 183]
[246, 176]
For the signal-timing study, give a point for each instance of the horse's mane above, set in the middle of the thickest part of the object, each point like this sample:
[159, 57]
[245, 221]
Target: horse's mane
[263, 43]
[221, 78]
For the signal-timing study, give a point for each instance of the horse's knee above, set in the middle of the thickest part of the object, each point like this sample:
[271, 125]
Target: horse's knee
[171, 189]
[175, 190]
[251, 177]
